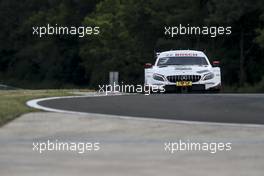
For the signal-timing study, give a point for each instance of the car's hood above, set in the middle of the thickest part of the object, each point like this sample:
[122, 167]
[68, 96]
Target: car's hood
[179, 70]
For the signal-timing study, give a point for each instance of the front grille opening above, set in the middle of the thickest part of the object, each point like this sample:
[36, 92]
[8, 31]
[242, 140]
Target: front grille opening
[176, 78]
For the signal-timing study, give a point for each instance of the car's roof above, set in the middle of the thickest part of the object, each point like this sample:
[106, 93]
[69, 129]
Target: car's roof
[183, 53]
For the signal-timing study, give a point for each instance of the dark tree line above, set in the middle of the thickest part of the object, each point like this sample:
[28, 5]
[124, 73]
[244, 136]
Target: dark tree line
[131, 31]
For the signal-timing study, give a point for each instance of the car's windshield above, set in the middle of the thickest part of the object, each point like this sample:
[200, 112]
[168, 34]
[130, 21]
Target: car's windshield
[182, 61]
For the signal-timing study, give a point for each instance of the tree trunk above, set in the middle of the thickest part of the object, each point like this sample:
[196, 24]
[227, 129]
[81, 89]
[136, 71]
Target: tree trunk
[242, 76]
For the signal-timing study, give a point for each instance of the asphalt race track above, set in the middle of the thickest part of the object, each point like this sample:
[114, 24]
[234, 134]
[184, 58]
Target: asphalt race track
[227, 108]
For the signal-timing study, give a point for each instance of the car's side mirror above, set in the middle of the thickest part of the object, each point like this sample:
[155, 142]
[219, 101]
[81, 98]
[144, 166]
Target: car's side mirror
[148, 65]
[216, 63]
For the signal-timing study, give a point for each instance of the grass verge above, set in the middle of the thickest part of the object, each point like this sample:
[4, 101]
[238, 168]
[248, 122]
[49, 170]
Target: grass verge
[13, 102]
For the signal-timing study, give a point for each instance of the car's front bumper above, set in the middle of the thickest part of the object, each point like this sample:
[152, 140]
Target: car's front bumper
[193, 88]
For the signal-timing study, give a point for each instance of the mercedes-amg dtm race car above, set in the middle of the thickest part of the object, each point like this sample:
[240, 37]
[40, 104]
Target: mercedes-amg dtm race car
[183, 70]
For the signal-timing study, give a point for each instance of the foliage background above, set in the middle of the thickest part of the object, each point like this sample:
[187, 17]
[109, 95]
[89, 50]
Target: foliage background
[131, 32]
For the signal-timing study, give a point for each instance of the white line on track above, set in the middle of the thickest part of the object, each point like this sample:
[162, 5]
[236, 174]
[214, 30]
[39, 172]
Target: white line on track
[34, 104]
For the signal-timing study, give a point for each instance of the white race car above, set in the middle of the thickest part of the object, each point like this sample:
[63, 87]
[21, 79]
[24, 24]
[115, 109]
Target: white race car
[183, 70]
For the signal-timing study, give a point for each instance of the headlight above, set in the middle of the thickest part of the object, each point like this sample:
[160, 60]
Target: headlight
[158, 77]
[208, 76]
